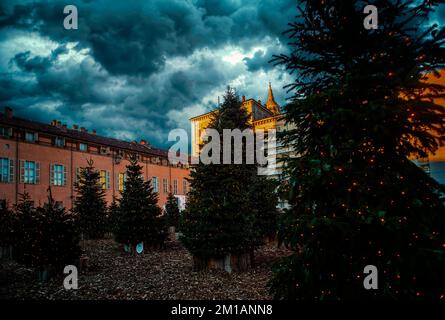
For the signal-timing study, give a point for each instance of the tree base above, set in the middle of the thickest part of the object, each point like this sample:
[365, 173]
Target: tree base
[84, 263]
[44, 274]
[239, 262]
[172, 233]
[6, 253]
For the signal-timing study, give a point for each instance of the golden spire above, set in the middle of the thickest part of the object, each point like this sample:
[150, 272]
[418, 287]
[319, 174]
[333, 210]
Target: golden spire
[271, 104]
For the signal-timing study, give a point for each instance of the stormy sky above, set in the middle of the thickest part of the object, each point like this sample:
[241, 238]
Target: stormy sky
[137, 69]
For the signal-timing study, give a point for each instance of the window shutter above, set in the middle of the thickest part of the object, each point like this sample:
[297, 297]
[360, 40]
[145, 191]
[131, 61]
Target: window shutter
[36, 137]
[11, 170]
[77, 174]
[37, 173]
[107, 180]
[22, 171]
[64, 175]
[51, 174]
[116, 181]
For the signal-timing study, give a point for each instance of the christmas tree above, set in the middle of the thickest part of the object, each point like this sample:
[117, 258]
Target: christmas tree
[172, 211]
[26, 230]
[8, 236]
[264, 202]
[48, 235]
[219, 219]
[113, 216]
[139, 217]
[89, 204]
[362, 108]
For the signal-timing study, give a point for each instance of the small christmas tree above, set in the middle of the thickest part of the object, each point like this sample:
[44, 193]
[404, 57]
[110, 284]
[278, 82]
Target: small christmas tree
[49, 238]
[172, 212]
[113, 216]
[89, 204]
[139, 216]
[27, 229]
[8, 236]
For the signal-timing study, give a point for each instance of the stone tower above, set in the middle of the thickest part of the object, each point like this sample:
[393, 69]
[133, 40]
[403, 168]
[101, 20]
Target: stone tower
[271, 104]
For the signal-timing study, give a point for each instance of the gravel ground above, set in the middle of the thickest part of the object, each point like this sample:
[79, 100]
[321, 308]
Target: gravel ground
[155, 275]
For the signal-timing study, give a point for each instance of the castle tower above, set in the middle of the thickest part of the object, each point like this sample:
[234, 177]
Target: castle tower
[271, 104]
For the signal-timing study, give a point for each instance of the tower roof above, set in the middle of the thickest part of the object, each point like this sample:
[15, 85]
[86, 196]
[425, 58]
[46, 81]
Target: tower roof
[271, 103]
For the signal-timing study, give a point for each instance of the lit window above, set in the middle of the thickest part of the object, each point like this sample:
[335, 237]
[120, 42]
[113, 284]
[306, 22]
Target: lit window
[105, 179]
[184, 186]
[121, 182]
[5, 168]
[165, 185]
[59, 142]
[31, 136]
[154, 182]
[29, 172]
[83, 147]
[175, 186]
[58, 175]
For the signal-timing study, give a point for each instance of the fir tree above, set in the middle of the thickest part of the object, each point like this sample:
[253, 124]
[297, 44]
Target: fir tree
[219, 219]
[362, 108]
[27, 229]
[172, 212]
[264, 202]
[139, 216]
[8, 226]
[49, 238]
[113, 216]
[89, 204]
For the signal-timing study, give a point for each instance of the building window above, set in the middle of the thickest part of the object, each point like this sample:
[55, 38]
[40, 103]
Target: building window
[59, 142]
[184, 186]
[175, 186]
[165, 185]
[58, 175]
[105, 179]
[154, 182]
[121, 181]
[83, 147]
[29, 172]
[6, 170]
[5, 132]
[31, 137]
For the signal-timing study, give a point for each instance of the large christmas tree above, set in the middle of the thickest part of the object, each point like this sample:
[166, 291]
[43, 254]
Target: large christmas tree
[89, 204]
[139, 216]
[264, 202]
[362, 109]
[219, 219]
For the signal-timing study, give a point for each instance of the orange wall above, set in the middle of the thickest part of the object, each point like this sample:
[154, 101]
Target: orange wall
[48, 155]
[440, 154]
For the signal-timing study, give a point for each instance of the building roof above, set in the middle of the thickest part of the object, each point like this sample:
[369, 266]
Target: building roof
[78, 135]
[270, 109]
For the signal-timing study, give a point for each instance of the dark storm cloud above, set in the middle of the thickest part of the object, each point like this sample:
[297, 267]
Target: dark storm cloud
[117, 75]
[135, 37]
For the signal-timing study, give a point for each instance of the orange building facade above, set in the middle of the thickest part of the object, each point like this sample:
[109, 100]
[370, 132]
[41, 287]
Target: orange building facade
[34, 156]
